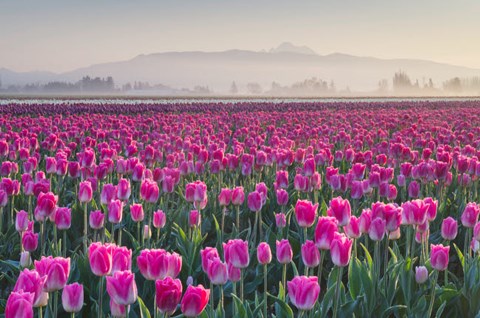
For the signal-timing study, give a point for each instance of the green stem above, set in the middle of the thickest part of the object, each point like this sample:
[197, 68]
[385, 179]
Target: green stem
[40, 312]
[237, 216]
[42, 237]
[55, 303]
[100, 297]
[265, 275]
[284, 275]
[1, 219]
[64, 243]
[55, 241]
[72, 315]
[212, 311]
[337, 292]
[85, 228]
[241, 285]
[320, 266]
[432, 298]
[385, 262]
[223, 224]
[220, 304]
[260, 225]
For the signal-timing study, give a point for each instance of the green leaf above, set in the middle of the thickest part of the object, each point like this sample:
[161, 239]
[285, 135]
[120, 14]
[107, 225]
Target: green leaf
[368, 256]
[239, 307]
[440, 310]
[460, 255]
[144, 313]
[394, 309]
[354, 280]
[281, 308]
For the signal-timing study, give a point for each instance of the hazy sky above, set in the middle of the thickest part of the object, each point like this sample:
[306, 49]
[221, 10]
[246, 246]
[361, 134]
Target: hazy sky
[65, 34]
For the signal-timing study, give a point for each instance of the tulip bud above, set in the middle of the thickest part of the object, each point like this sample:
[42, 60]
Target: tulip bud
[303, 291]
[194, 218]
[310, 254]
[25, 260]
[284, 252]
[96, 219]
[195, 300]
[280, 220]
[421, 274]
[264, 254]
[72, 297]
[439, 256]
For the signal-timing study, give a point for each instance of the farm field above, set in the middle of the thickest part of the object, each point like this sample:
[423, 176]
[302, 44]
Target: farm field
[240, 208]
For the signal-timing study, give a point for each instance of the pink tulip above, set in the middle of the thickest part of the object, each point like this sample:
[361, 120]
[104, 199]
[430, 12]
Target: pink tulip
[282, 197]
[236, 253]
[421, 274]
[282, 179]
[309, 167]
[432, 208]
[238, 196]
[284, 252]
[85, 192]
[63, 218]
[21, 221]
[310, 254]
[217, 272]
[234, 273]
[195, 300]
[439, 256]
[225, 197]
[303, 291]
[364, 221]
[340, 209]
[415, 212]
[157, 264]
[149, 191]
[476, 231]
[19, 305]
[109, 193]
[377, 229]
[136, 212]
[117, 310]
[100, 258]
[280, 220]
[305, 212]
[72, 297]
[352, 229]
[254, 201]
[30, 241]
[324, 232]
[46, 205]
[159, 219]
[168, 292]
[57, 271]
[30, 281]
[122, 288]
[413, 190]
[393, 217]
[264, 254]
[470, 215]
[25, 259]
[341, 249]
[449, 229]
[208, 254]
[121, 259]
[194, 218]
[115, 211]
[96, 219]
[123, 189]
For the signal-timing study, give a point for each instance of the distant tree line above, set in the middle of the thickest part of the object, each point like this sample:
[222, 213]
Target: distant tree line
[86, 84]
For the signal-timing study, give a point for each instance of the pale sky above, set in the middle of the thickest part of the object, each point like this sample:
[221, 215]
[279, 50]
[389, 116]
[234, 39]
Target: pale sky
[65, 34]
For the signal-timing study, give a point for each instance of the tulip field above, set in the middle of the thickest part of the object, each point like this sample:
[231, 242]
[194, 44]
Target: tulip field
[240, 209]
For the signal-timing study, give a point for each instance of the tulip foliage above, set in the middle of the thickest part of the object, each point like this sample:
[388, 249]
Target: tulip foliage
[239, 209]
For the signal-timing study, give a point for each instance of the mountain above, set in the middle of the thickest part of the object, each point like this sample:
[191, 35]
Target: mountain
[285, 64]
[289, 47]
